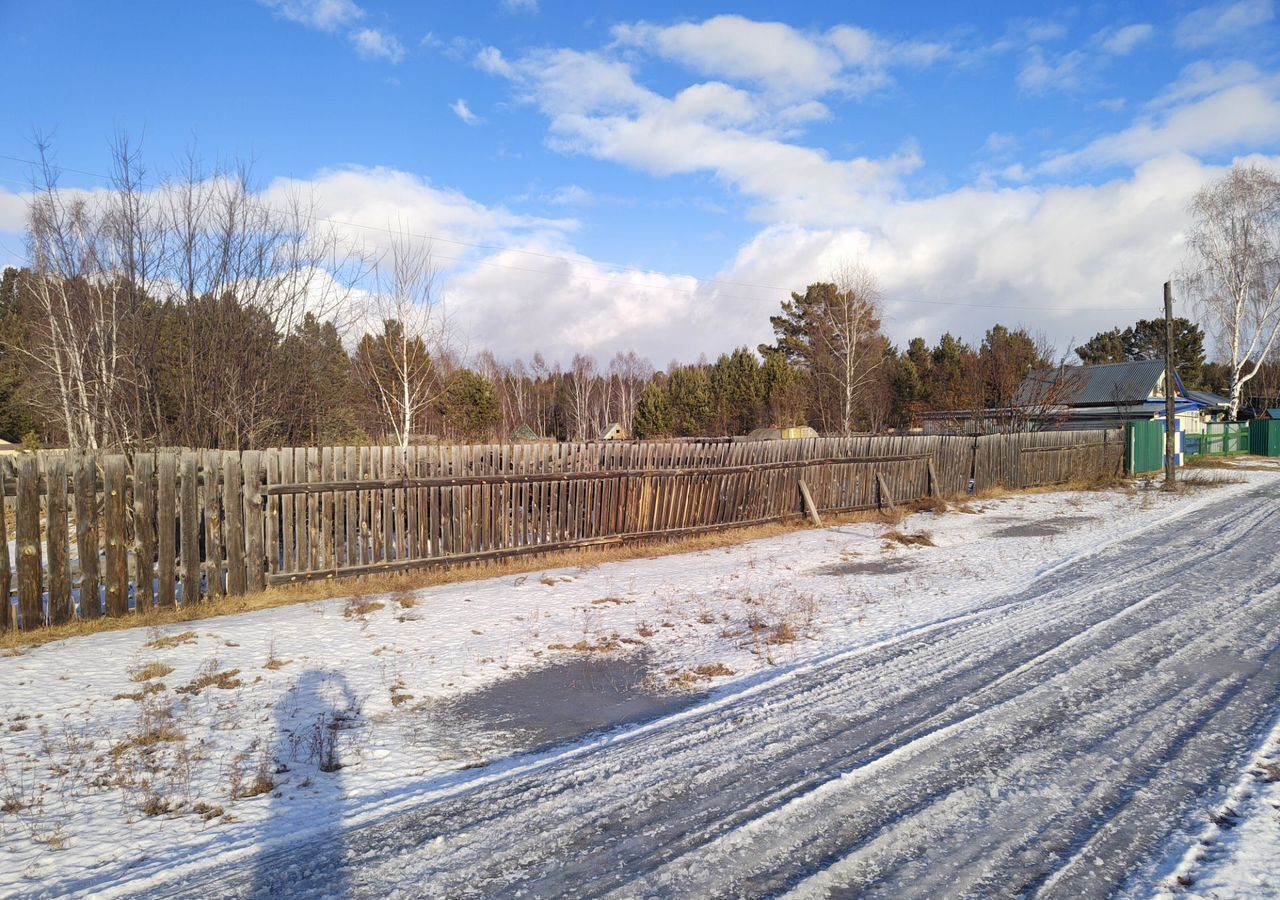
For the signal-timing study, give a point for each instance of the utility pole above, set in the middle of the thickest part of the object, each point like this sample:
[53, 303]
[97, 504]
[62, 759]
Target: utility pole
[1170, 420]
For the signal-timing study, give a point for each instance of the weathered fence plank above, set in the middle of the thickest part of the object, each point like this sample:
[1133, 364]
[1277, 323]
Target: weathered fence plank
[58, 541]
[144, 529]
[86, 509]
[234, 525]
[167, 529]
[30, 568]
[114, 473]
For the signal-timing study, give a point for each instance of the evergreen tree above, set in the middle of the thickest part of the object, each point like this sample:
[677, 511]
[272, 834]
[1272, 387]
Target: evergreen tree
[653, 412]
[737, 390]
[1104, 347]
[785, 395]
[689, 394]
[469, 404]
[1145, 340]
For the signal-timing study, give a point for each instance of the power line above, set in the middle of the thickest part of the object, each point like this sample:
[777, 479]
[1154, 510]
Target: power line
[431, 238]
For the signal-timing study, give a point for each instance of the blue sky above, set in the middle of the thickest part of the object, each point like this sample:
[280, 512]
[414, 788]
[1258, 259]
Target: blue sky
[658, 174]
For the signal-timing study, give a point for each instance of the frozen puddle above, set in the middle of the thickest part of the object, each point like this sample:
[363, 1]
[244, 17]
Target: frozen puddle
[567, 701]
[1047, 528]
[891, 566]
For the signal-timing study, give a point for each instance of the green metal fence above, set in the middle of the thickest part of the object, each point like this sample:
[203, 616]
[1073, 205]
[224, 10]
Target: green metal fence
[1144, 447]
[1264, 437]
[1220, 439]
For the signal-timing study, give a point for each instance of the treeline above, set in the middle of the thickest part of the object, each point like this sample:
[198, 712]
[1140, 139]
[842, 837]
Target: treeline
[195, 314]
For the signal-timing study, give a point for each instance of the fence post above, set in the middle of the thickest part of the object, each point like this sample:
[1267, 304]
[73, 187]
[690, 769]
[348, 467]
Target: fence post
[809, 506]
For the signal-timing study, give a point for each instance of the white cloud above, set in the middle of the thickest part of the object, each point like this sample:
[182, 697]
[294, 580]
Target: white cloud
[778, 57]
[1222, 22]
[1122, 41]
[1238, 115]
[515, 6]
[999, 143]
[373, 44]
[490, 59]
[322, 15]
[1041, 73]
[595, 107]
[572, 195]
[463, 112]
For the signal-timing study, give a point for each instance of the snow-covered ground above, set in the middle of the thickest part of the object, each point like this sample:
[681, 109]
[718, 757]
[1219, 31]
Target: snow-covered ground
[131, 753]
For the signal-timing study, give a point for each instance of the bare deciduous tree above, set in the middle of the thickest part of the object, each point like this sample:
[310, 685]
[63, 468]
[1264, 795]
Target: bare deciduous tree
[91, 260]
[849, 332]
[1235, 244]
[403, 368]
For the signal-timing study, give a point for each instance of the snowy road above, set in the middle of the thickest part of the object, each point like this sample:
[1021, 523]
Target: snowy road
[1049, 743]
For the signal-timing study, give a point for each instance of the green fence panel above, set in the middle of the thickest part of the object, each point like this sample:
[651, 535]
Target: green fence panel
[1264, 437]
[1145, 446]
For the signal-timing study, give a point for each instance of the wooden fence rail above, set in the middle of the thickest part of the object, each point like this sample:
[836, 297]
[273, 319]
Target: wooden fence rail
[109, 534]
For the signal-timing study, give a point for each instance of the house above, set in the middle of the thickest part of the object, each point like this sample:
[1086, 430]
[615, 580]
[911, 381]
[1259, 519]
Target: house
[1213, 407]
[615, 432]
[1105, 396]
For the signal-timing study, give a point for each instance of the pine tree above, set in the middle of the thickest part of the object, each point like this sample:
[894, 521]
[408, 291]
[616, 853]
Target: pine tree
[653, 412]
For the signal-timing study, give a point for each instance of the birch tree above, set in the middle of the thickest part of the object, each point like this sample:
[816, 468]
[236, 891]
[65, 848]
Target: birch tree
[403, 367]
[833, 331]
[1234, 242]
[91, 260]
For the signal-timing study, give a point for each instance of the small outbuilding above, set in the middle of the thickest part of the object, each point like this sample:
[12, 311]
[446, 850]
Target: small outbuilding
[526, 435]
[790, 433]
[615, 432]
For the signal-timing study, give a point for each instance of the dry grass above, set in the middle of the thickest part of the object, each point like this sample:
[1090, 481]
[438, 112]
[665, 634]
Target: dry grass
[275, 664]
[153, 670]
[224, 680]
[147, 690]
[157, 734]
[920, 539]
[361, 606]
[160, 643]
[1188, 482]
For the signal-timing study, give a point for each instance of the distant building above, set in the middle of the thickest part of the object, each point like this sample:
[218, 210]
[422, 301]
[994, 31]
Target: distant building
[615, 432]
[792, 433]
[526, 435]
[1105, 396]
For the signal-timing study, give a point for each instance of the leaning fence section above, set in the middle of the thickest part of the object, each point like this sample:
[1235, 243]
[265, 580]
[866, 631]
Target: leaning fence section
[109, 534]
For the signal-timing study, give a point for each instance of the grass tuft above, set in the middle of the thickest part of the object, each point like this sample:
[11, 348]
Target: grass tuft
[920, 539]
[152, 670]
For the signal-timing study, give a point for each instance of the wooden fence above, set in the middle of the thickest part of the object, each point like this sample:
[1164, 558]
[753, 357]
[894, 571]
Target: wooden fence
[110, 534]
